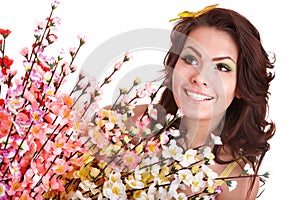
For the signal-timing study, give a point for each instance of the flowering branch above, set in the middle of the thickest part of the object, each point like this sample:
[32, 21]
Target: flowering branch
[57, 146]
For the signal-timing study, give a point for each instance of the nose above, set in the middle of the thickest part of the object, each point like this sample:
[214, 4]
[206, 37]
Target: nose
[198, 79]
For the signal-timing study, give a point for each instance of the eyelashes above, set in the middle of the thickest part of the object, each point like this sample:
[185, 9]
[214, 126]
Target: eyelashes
[223, 67]
[191, 60]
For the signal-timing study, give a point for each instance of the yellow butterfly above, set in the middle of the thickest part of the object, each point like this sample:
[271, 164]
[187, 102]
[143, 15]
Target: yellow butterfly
[194, 14]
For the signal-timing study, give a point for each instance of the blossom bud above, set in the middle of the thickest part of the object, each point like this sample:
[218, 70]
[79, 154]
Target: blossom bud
[127, 57]
[137, 81]
[4, 32]
[73, 68]
[118, 65]
[82, 39]
[24, 51]
[123, 90]
[72, 51]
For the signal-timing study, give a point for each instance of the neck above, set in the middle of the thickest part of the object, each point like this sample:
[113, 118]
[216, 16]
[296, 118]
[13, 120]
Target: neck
[198, 131]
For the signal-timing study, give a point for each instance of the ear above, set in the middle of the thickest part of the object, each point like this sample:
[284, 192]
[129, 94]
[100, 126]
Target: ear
[237, 94]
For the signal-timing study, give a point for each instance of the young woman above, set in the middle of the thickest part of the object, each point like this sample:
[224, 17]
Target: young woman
[219, 76]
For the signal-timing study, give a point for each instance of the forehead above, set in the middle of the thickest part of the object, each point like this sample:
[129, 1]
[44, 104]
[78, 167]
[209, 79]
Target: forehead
[214, 42]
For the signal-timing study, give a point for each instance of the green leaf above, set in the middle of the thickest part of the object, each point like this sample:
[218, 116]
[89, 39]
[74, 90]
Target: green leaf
[229, 183]
[266, 175]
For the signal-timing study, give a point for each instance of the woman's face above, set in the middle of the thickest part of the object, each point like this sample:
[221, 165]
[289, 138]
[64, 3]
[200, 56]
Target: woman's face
[205, 75]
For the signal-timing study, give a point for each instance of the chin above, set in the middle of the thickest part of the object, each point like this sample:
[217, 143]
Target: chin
[196, 114]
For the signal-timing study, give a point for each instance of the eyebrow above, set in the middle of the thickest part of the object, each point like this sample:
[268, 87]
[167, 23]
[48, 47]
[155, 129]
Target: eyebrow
[223, 58]
[214, 59]
[195, 51]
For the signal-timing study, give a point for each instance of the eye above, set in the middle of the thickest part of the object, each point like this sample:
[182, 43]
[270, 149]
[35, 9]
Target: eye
[223, 67]
[189, 59]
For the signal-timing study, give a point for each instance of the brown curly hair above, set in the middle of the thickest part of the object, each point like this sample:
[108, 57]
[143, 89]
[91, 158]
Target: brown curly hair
[246, 129]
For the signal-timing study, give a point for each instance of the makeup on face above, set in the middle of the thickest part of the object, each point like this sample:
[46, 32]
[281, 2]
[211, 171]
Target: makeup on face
[191, 56]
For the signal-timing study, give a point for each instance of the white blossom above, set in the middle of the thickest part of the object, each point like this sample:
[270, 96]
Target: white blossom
[172, 151]
[248, 169]
[215, 140]
[189, 158]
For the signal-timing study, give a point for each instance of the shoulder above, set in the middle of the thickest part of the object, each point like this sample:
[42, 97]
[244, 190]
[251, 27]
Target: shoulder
[245, 188]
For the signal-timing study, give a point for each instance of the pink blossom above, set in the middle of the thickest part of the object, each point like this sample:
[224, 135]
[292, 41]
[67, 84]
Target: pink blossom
[152, 146]
[75, 145]
[169, 118]
[41, 25]
[16, 91]
[128, 56]
[145, 91]
[219, 190]
[65, 112]
[36, 76]
[98, 97]
[25, 195]
[52, 38]
[3, 188]
[66, 68]
[131, 159]
[116, 135]
[5, 123]
[152, 112]
[37, 131]
[61, 167]
[14, 103]
[31, 98]
[118, 65]
[67, 100]
[26, 65]
[12, 72]
[37, 33]
[98, 138]
[76, 161]
[179, 113]
[55, 107]
[142, 123]
[15, 186]
[38, 165]
[109, 126]
[55, 3]
[37, 115]
[14, 168]
[72, 50]
[56, 20]
[82, 39]
[22, 145]
[49, 92]
[57, 146]
[57, 184]
[24, 51]
[163, 138]
[73, 68]
[61, 53]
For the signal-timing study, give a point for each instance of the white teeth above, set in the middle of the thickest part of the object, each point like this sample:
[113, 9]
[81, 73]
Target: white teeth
[198, 97]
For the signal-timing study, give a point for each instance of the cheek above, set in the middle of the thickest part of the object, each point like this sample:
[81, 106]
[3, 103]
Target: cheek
[181, 72]
[229, 89]
[176, 77]
[179, 79]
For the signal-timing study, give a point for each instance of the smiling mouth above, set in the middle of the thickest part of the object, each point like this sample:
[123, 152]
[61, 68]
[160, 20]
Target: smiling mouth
[198, 97]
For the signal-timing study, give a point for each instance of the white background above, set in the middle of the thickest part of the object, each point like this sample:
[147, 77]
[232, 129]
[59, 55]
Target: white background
[101, 20]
